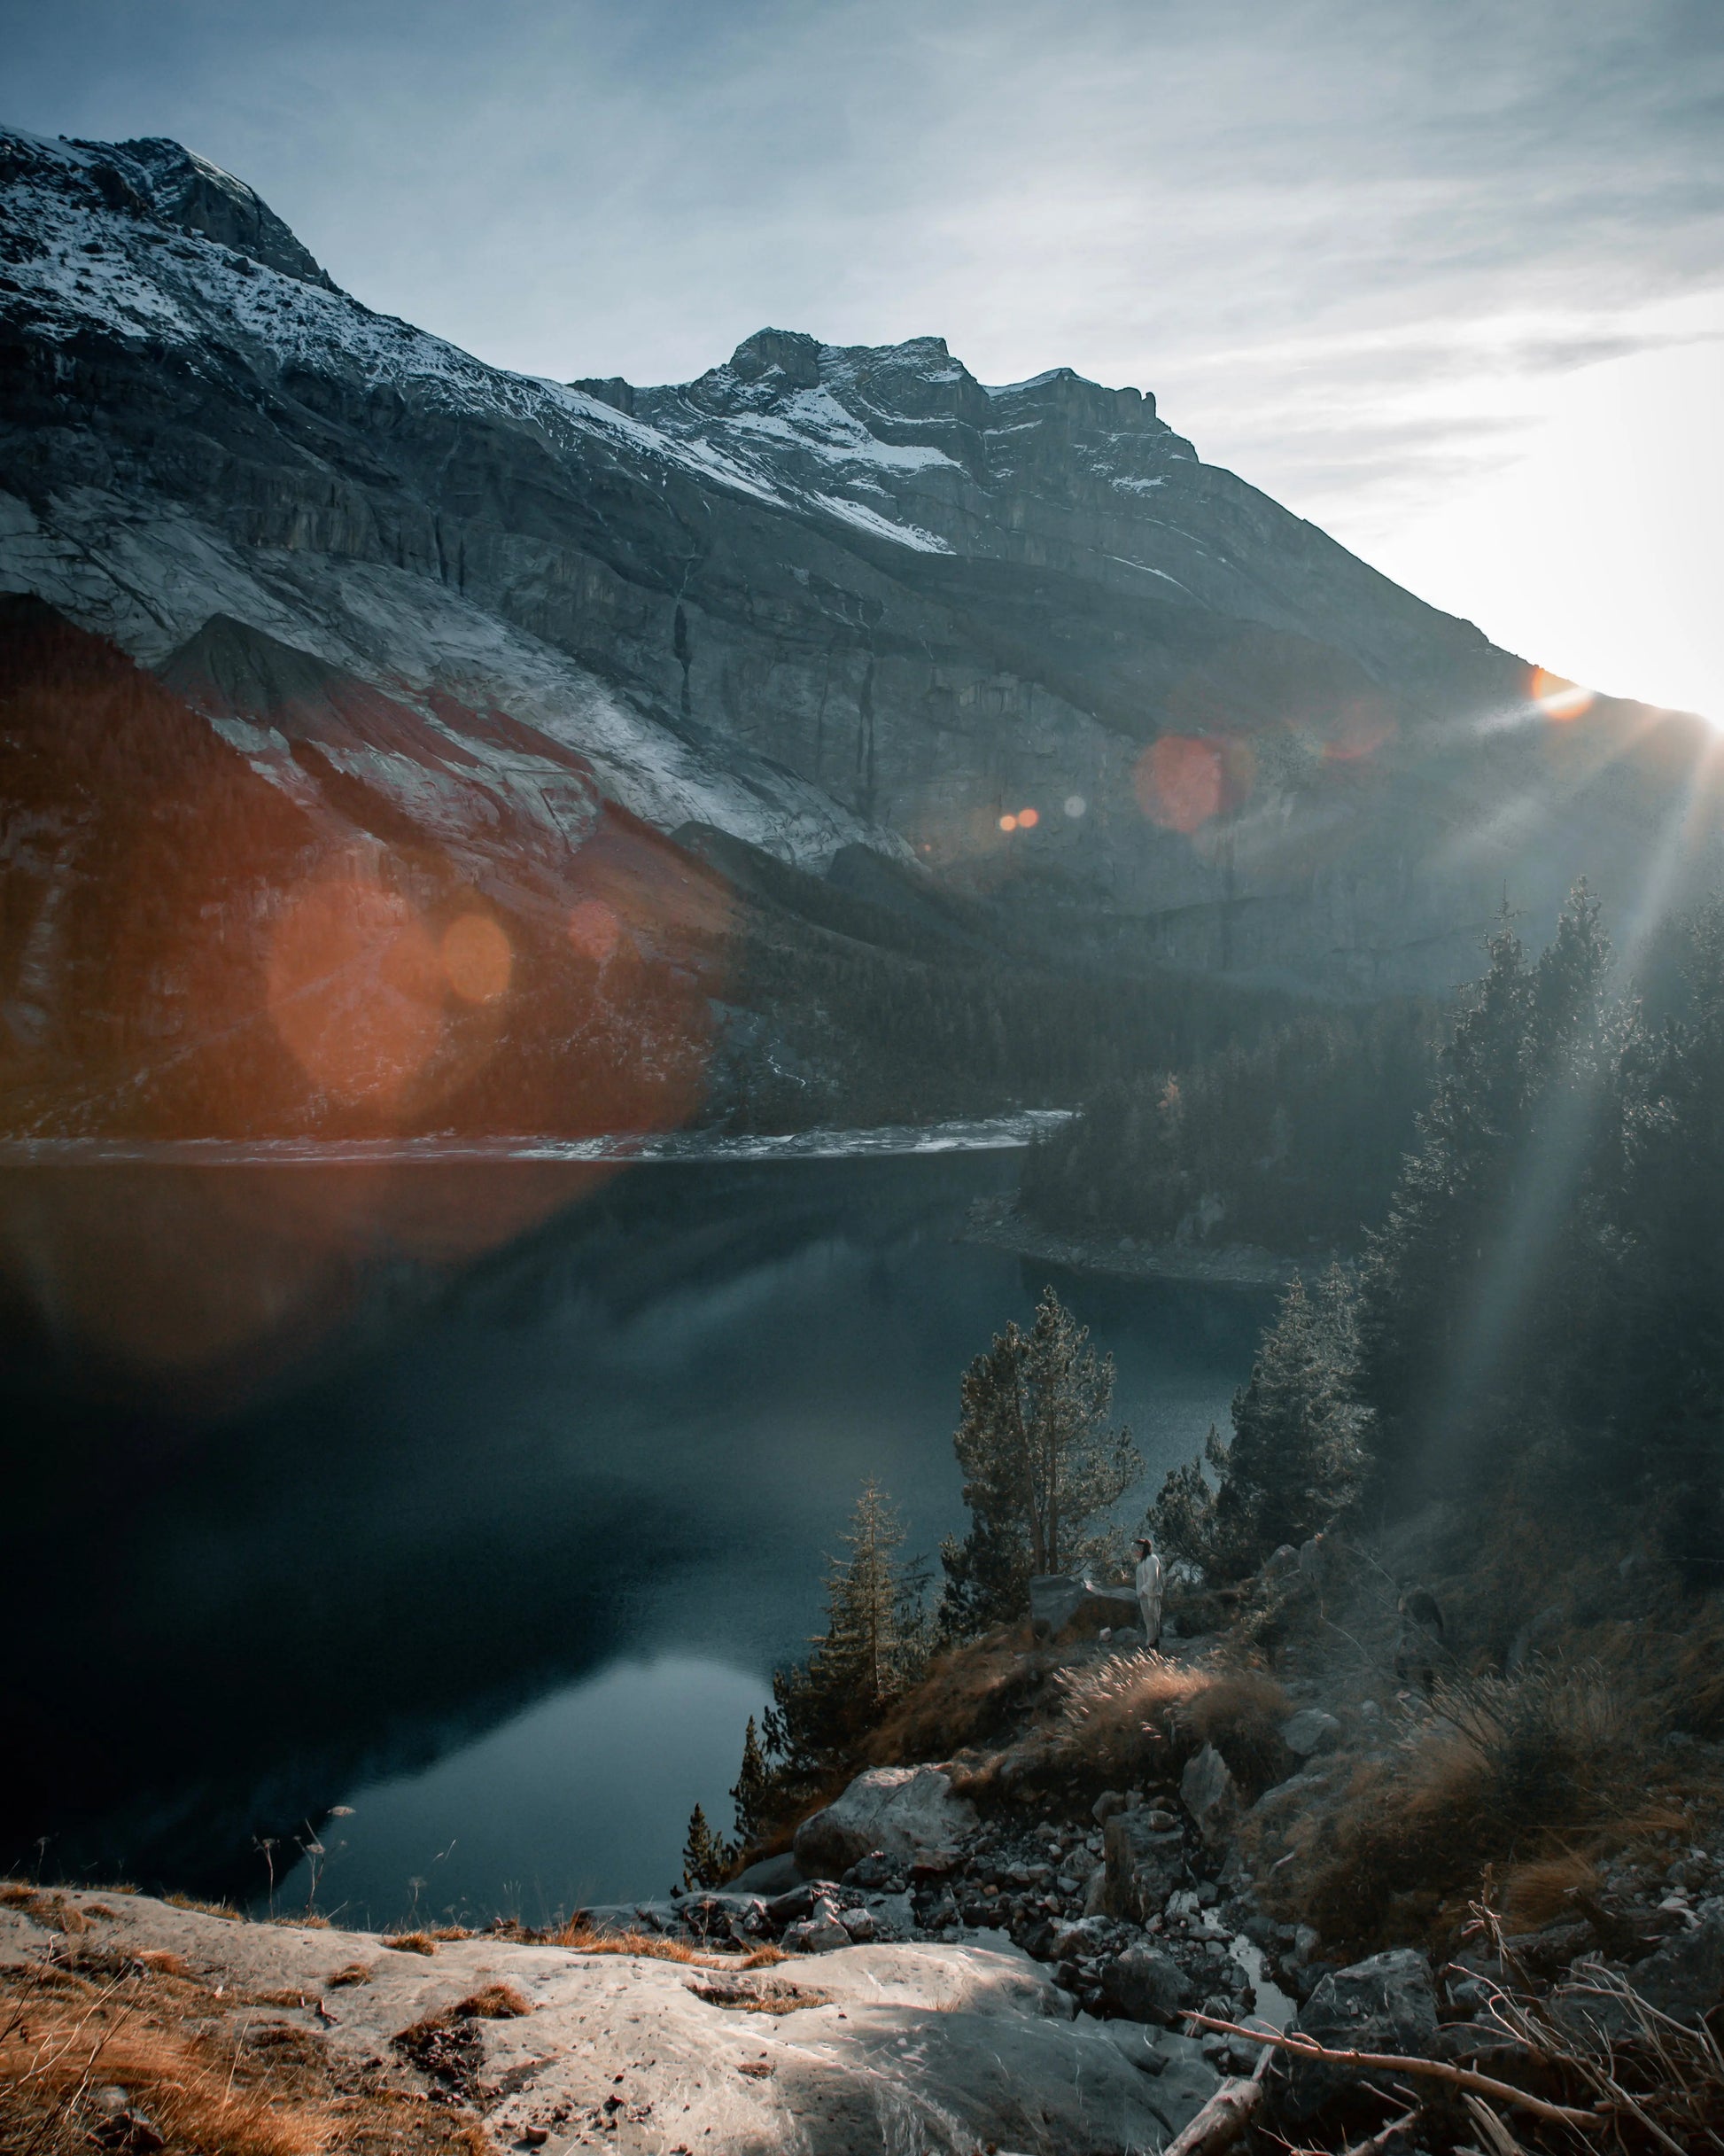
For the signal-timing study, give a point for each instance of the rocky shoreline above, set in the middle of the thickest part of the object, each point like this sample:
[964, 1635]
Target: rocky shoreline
[998, 1223]
[983, 1951]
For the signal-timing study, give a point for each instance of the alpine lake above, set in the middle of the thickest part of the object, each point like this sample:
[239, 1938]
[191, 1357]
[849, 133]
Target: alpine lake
[419, 1535]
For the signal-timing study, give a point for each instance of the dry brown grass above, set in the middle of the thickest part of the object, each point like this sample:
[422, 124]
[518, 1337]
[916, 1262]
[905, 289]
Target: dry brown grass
[123, 2056]
[1654, 2083]
[494, 2003]
[775, 1996]
[51, 1910]
[349, 1972]
[412, 1942]
[578, 1935]
[1530, 1775]
[205, 1909]
[1543, 1891]
[968, 1694]
[1144, 1713]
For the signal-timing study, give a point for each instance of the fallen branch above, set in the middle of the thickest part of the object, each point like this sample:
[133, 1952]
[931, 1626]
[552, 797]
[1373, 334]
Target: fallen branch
[1390, 2062]
[1381, 2142]
[1224, 2118]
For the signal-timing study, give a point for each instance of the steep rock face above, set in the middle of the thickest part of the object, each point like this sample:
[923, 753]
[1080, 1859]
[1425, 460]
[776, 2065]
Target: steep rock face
[821, 599]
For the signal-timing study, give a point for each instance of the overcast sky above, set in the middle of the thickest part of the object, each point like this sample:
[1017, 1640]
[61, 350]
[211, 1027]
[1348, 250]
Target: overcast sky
[1447, 277]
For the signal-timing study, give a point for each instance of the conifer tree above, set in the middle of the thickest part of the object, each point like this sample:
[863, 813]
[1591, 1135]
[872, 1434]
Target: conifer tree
[875, 1646]
[1509, 1110]
[1040, 1465]
[707, 1859]
[751, 1797]
[1296, 1460]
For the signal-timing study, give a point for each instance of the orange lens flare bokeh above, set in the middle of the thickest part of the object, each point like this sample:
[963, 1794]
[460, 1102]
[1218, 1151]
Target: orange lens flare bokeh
[1560, 699]
[1182, 781]
[354, 986]
[477, 957]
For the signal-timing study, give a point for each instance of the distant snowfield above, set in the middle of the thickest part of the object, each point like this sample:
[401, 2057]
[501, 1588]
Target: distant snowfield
[983, 1134]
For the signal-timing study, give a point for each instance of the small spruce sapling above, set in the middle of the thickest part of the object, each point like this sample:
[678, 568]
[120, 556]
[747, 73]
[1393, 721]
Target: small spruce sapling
[708, 1859]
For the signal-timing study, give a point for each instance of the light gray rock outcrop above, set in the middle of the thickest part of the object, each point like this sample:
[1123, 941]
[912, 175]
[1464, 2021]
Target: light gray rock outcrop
[903, 1811]
[942, 2049]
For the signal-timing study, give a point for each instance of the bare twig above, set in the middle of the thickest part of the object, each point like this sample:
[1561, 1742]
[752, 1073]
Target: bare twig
[1390, 2062]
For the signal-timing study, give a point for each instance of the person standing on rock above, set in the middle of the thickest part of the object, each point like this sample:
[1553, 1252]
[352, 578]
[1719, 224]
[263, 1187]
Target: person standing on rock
[1148, 1581]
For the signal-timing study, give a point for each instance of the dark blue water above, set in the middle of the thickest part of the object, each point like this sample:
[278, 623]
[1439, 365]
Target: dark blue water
[502, 1567]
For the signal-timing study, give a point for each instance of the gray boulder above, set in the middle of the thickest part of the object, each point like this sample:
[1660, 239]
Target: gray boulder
[819, 1933]
[1685, 1979]
[1310, 1731]
[770, 1875]
[904, 1812]
[1209, 1794]
[1142, 1862]
[1386, 2003]
[1144, 1984]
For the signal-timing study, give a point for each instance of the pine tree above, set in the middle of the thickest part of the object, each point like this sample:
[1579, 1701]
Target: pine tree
[1182, 1518]
[1500, 1151]
[1296, 1458]
[1040, 1466]
[707, 1859]
[751, 1797]
[874, 1648]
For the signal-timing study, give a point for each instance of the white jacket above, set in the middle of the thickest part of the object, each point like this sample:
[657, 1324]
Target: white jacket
[1148, 1583]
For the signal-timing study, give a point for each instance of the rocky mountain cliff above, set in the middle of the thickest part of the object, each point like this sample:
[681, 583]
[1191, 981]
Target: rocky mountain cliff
[927, 643]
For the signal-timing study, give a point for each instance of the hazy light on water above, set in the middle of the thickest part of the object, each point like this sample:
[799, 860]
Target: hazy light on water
[604, 1772]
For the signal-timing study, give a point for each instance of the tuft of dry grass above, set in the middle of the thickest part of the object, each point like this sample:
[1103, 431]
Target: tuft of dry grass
[578, 1935]
[349, 1972]
[412, 1942]
[205, 1909]
[52, 1911]
[493, 2003]
[1145, 1712]
[1541, 1892]
[775, 1996]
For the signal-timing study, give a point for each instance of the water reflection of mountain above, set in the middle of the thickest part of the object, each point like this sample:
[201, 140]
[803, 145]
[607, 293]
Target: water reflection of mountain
[638, 1428]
